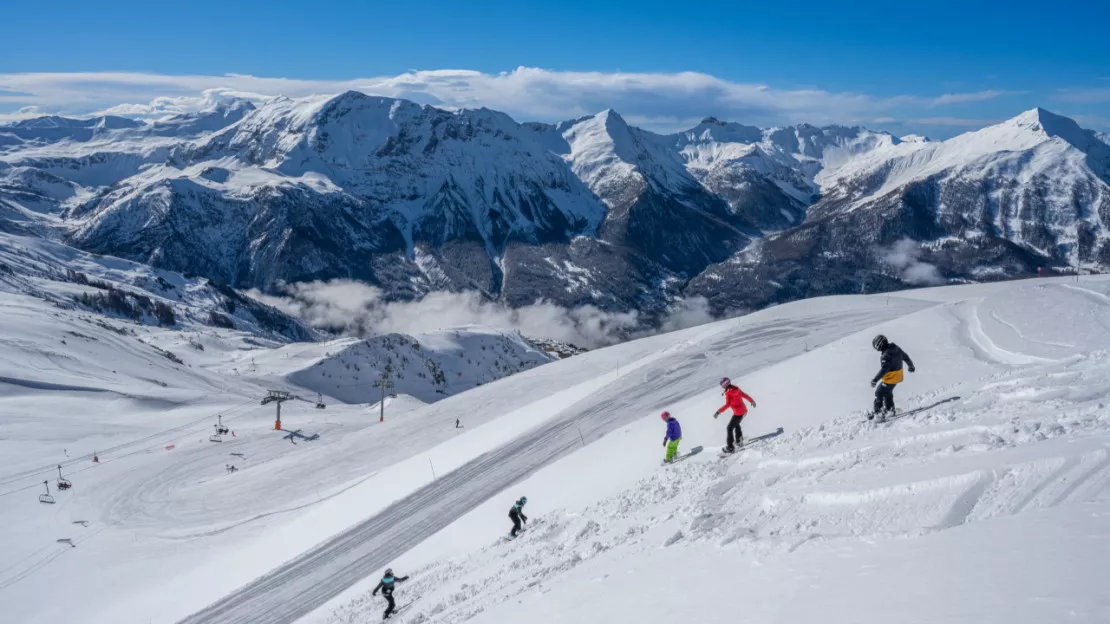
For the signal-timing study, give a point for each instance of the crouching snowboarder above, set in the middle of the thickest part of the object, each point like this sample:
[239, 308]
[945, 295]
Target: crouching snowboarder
[386, 585]
[517, 516]
[891, 359]
[672, 437]
[734, 398]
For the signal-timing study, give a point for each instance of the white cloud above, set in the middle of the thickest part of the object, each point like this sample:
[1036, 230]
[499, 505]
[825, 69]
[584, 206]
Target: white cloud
[662, 101]
[962, 122]
[358, 309]
[976, 96]
[1097, 95]
[904, 257]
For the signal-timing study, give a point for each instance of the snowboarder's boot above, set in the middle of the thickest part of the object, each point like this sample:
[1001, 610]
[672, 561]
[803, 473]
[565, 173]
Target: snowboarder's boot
[729, 449]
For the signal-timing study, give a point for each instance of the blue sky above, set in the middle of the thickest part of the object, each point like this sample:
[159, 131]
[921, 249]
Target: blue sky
[937, 68]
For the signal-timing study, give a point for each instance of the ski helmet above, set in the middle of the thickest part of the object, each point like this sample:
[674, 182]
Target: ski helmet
[879, 342]
[725, 382]
[665, 415]
[389, 572]
[523, 499]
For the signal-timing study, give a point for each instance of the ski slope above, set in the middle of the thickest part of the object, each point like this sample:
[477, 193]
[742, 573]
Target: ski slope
[1007, 463]
[988, 499]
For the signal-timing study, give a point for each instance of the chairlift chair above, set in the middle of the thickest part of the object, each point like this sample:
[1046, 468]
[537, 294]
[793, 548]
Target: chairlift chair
[220, 430]
[63, 483]
[46, 498]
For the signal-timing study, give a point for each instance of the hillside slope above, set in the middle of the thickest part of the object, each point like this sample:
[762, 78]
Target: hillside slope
[1013, 428]
[995, 480]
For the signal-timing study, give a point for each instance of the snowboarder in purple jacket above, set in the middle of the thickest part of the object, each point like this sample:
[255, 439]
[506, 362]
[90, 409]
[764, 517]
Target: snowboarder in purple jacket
[673, 437]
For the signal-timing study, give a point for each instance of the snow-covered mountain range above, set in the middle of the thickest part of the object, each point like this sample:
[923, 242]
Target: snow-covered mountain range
[413, 199]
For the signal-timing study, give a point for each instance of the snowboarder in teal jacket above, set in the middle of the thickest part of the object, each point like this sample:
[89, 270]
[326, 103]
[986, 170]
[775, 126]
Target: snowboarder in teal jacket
[673, 436]
[386, 586]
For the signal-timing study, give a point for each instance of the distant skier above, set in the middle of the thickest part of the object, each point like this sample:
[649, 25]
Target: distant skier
[386, 585]
[734, 398]
[891, 357]
[673, 436]
[517, 516]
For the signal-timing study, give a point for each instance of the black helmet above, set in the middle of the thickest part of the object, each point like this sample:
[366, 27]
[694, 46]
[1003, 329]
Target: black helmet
[523, 499]
[879, 342]
[389, 572]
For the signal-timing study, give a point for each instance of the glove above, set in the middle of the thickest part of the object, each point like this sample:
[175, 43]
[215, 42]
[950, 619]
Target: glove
[716, 414]
[664, 441]
[912, 369]
[753, 402]
[873, 382]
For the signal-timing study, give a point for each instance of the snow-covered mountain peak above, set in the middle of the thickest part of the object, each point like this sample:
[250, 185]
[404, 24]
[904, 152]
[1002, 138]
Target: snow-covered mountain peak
[1058, 126]
[106, 122]
[601, 150]
[712, 129]
[54, 128]
[1026, 131]
[914, 138]
[216, 116]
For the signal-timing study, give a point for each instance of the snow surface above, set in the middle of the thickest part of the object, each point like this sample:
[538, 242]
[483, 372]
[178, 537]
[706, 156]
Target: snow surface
[992, 503]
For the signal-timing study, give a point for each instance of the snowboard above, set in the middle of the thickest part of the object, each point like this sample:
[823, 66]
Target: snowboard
[753, 441]
[395, 611]
[882, 418]
[691, 453]
[898, 413]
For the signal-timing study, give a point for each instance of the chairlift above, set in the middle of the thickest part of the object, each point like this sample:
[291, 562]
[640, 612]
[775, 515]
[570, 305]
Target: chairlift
[46, 498]
[63, 483]
[221, 430]
[320, 401]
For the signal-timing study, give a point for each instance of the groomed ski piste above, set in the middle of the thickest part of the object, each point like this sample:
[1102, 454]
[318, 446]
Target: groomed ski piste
[987, 499]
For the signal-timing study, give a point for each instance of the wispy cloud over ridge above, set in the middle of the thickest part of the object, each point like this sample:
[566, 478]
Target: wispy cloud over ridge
[659, 101]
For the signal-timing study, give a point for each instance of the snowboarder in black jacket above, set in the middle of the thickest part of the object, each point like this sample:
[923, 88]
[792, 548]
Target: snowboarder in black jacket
[891, 359]
[517, 515]
[386, 585]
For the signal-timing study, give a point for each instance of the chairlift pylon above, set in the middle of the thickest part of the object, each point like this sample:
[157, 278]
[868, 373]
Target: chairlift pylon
[221, 430]
[320, 401]
[63, 483]
[46, 498]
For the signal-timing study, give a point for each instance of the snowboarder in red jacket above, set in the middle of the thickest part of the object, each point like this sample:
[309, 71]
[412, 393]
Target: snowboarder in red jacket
[734, 398]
